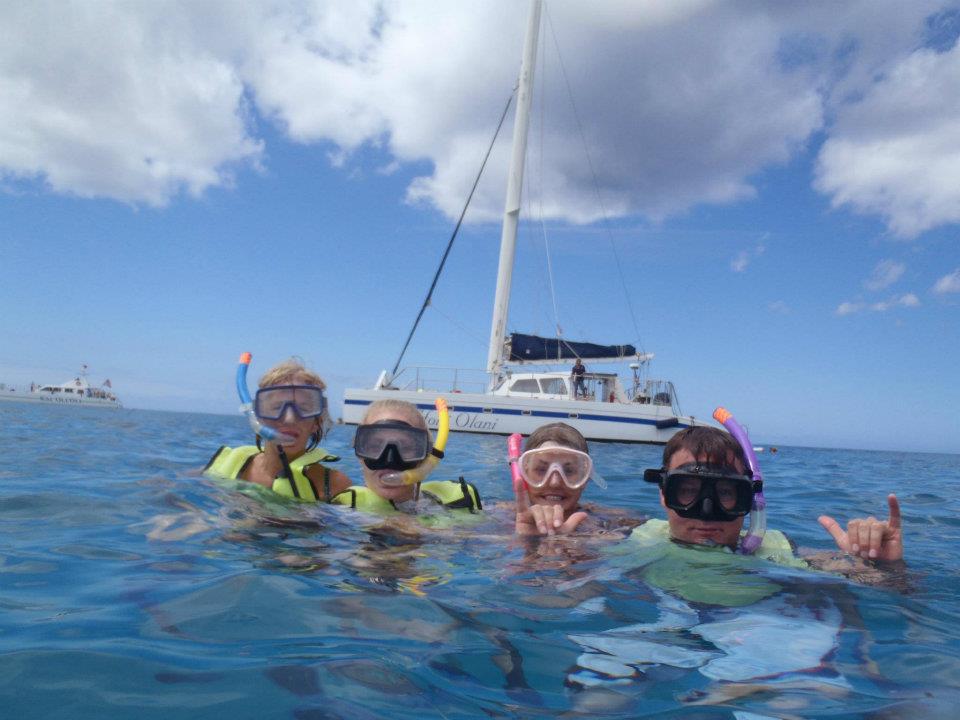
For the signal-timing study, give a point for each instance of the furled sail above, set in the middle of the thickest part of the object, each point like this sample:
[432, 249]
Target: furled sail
[531, 348]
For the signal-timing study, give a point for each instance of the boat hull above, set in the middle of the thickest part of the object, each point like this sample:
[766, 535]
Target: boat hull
[38, 398]
[505, 415]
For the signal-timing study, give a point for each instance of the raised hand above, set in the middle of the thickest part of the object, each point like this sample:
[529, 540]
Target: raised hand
[869, 538]
[543, 519]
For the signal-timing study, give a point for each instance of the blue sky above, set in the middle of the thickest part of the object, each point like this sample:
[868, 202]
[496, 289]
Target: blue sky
[186, 181]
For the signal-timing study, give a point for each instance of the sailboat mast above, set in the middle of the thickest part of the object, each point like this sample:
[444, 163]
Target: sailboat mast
[511, 212]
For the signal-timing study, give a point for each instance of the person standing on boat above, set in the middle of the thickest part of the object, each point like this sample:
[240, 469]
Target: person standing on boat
[579, 388]
[291, 402]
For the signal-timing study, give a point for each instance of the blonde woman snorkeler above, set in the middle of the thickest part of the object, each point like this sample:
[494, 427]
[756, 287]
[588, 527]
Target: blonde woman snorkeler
[290, 405]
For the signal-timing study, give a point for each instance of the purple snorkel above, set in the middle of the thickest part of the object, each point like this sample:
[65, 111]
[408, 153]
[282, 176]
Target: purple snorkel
[758, 512]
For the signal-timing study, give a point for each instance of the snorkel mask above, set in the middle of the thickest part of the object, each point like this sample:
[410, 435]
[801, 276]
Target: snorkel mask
[398, 446]
[535, 467]
[264, 431]
[705, 492]
[712, 492]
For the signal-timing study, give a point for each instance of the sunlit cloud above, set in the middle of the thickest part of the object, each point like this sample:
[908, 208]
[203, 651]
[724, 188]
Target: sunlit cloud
[907, 300]
[886, 273]
[740, 262]
[147, 102]
[948, 283]
[744, 257]
[895, 150]
[849, 308]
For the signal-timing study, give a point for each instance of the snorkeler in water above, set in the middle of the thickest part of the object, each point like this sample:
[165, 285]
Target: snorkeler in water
[289, 417]
[699, 564]
[396, 455]
[709, 484]
[549, 478]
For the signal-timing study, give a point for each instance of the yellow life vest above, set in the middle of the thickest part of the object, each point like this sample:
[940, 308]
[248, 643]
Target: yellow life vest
[231, 462]
[451, 494]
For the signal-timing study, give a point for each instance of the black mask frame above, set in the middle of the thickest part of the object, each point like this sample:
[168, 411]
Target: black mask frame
[706, 505]
[390, 457]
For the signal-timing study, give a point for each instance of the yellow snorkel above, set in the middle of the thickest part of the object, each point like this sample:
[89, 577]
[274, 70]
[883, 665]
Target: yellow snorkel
[420, 472]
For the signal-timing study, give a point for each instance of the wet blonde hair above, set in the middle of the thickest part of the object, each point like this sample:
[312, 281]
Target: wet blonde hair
[294, 372]
[400, 407]
[291, 372]
[557, 432]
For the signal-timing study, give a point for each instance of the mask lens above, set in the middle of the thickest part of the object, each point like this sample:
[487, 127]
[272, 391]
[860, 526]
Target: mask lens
[309, 401]
[688, 490]
[726, 491]
[538, 465]
[410, 444]
[720, 496]
[306, 401]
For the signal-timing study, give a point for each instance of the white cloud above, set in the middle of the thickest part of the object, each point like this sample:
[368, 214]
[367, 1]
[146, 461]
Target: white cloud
[779, 307]
[886, 273]
[740, 262]
[949, 283]
[680, 102]
[111, 100]
[743, 258]
[907, 300]
[896, 152]
[849, 308]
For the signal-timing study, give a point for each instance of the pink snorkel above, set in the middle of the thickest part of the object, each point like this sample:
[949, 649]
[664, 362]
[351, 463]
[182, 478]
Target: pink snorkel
[758, 513]
[514, 449]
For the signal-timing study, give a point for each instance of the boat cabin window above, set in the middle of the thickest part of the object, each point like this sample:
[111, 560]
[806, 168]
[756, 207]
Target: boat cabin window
[554, 386]
[526, 385]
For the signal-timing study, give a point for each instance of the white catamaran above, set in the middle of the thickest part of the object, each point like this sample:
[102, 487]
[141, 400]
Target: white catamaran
[516, 401]
[75, 392]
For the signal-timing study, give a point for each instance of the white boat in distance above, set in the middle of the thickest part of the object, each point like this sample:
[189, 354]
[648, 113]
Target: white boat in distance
[509, 400]
[77, 392]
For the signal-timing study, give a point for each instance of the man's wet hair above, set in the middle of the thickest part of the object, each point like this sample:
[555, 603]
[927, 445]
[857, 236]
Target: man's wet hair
[717, 446]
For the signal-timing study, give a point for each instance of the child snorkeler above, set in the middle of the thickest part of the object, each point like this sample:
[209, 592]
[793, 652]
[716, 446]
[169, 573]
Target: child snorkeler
[396, 455]
[550, 476]
[289, 416]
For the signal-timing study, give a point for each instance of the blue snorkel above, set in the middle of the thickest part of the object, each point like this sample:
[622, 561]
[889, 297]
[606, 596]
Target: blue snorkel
[264, 431]
[758, 512]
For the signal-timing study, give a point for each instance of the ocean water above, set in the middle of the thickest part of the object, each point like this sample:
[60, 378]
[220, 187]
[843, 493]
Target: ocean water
[132, 587]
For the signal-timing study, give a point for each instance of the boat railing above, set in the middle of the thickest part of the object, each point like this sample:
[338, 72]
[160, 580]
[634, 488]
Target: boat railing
[657, 392]
[429, 378]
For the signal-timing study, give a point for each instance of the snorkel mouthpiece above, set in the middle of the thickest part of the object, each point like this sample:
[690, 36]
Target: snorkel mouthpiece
[514, 450]
[758, 511]
[419, 473]
[246, 408]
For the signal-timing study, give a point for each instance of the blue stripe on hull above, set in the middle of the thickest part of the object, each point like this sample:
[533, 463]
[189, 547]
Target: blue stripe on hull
[532, 413]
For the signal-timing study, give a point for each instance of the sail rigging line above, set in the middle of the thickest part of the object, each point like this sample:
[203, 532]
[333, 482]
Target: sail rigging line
[543, 227]
[596, 183]
[466, 331]
[453, 235]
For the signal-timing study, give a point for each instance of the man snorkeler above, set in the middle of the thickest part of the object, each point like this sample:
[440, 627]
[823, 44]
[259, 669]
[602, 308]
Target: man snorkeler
[738, 624]
[708, 488]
